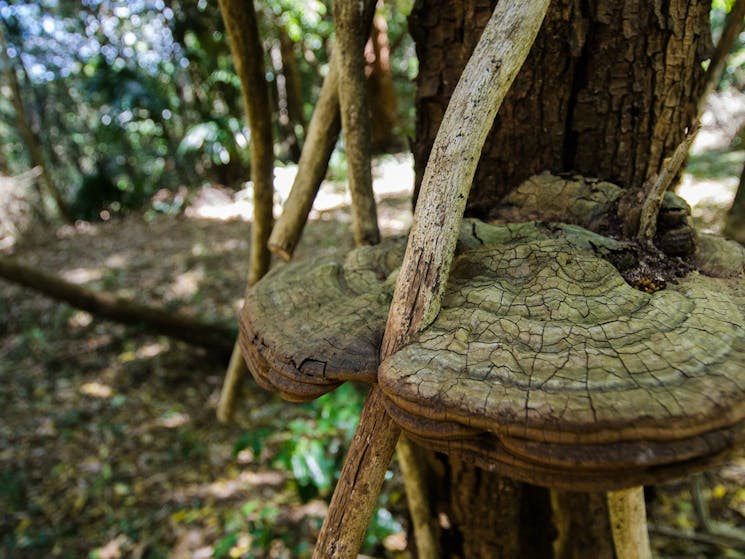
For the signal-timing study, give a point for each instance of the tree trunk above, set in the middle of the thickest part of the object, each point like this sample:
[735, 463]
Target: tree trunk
[380, 92]
[245, 46]
[608, 91]
[355, 120]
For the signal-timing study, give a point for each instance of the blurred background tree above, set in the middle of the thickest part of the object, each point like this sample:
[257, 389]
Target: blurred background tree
[129, 98]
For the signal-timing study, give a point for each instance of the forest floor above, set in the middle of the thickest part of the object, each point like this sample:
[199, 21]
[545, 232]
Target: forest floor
[109, 446]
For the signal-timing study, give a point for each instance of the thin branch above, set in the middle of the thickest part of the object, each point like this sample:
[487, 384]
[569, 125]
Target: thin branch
[322, 135]
[714, 539]
[656, 192]
[323, 132]
[245, 46]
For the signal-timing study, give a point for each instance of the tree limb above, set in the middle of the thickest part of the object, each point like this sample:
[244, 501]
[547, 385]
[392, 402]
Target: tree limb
[322, 135]
[355, 120]
[177, 325]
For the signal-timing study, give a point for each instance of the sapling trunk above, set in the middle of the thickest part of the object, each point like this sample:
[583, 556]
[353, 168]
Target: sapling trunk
[628, 521]
[245, 47]
[322, 135]
[355, 121]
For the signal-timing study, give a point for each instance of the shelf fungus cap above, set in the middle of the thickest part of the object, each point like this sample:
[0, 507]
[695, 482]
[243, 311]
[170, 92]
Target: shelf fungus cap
[308, 326]
[545, 365]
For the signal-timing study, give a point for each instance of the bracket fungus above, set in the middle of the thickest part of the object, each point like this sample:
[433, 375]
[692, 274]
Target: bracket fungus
[544, 364]
[309, 326]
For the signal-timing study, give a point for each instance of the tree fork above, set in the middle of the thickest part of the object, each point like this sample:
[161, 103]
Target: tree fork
[245, 46]
[322, 134]
[500, 53]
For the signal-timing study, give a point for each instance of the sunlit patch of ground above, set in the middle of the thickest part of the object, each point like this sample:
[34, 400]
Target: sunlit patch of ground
[393, 180]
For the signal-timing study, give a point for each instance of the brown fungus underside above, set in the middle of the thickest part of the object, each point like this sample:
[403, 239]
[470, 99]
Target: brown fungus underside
[543, 362]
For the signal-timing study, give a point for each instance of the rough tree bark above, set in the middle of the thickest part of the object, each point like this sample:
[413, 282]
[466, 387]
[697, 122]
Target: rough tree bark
[608, 90]
[246, 49]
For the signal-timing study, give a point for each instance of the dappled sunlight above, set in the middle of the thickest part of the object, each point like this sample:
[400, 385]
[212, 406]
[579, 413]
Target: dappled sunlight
[82, 275]
[80, 319]
[96, 390]
[117, 260]
[393, 178]
[712, 173]
[187, 283]
[150, 350]
[243, 482]
[172, 419]
[709, 200]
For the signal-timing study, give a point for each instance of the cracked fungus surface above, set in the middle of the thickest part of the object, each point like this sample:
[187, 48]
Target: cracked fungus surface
[308, 326]
[543, 362]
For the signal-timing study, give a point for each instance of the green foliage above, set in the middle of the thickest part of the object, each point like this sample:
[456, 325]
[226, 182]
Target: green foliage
[734, 72]
[128, 99]
[311, 449]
